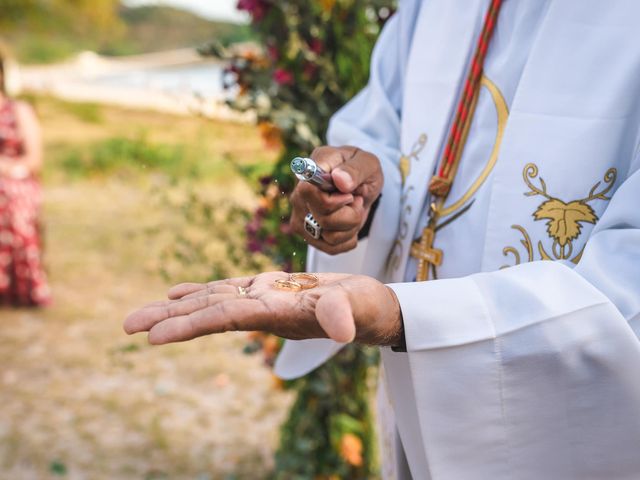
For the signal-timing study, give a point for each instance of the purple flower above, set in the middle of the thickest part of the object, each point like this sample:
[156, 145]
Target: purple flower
[266, 180]
[316, 46]
[254, 246]
[260, 212]
[309, 70]
[253, 226]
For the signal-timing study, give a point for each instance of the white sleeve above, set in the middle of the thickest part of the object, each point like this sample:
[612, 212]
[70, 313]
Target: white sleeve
[539, 357]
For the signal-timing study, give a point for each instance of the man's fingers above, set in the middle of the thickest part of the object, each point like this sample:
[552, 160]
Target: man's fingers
[179, 291]
[144, 319]
[336, 239]
[182, 289]
[334, 314]
[211, 289]
[320, 201]
[346, 218]
[330, 157]
[361, 168]
[228, 315]
[326, 247]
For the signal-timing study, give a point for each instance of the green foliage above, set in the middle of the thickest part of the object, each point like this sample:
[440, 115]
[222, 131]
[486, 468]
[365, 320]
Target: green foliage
[57, 468]
[124, 155]
[154, 28]
[332, 403]
[47, 30]
[36, 49]
[87, 112]
[121, 154]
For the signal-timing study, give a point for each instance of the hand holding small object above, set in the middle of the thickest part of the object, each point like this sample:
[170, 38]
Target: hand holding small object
[330, 219]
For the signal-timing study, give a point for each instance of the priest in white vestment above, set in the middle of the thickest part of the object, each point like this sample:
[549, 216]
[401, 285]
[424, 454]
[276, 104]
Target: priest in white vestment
[522, 358]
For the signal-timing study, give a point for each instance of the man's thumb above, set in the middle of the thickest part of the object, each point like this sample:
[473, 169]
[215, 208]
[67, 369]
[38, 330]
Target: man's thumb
[348, 176]
[334, 314]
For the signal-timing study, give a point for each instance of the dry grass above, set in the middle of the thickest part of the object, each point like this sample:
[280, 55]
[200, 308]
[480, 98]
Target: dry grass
[81, 400]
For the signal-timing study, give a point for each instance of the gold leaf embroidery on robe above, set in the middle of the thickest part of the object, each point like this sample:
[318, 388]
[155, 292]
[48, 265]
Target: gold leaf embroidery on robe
[565, 220]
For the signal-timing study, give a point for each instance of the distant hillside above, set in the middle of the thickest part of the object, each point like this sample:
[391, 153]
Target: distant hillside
[139, 30]
[155, 28]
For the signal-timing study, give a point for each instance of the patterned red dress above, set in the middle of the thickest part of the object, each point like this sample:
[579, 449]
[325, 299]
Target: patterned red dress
[22, 278]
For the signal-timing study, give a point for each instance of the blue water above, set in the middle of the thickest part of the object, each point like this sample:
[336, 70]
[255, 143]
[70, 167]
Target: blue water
[202, 79]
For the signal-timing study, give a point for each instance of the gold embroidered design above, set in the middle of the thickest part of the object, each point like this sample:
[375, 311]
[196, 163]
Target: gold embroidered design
[502, 111]
[393, 261]
[564, 219]
[405, 160]
[459, 206]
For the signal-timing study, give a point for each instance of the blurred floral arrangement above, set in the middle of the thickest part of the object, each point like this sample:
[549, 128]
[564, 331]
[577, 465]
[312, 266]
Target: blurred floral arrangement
[314, 56]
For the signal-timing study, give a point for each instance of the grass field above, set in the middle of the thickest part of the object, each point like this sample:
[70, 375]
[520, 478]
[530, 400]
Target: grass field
[79, 399]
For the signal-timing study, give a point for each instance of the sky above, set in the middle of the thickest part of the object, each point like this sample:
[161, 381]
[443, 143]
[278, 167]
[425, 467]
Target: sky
[213, 9]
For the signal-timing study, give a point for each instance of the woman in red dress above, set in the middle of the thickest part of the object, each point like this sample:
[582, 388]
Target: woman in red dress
[22, 278]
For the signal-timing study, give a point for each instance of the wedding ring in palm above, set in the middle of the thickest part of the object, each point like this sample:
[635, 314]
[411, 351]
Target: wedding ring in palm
[297, 281]
[312, 227]
[305, 280]
[289, 284]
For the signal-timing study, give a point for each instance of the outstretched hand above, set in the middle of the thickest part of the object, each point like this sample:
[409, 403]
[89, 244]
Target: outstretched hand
[342, 307]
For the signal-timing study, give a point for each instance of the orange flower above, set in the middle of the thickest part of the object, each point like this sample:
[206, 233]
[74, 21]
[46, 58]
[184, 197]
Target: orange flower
[255, 336]
[270, 346]
[278, 383]
[271, 135]
[327, 5]
[265, 202]
[351, 449]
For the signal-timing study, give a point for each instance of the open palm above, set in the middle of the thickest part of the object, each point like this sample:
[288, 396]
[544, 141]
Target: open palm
[342, 307]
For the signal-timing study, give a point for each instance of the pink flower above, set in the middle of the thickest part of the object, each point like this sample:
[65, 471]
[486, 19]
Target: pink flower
[253, 226]
[270, 240]
[256, 8]
[282, 76]
[254, 246]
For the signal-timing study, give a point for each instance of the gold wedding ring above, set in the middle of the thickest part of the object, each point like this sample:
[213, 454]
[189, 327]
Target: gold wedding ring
[306, 280]
[290, 285]
[297, 282]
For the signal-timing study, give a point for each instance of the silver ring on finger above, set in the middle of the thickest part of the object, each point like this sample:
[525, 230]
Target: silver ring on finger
[312, 227]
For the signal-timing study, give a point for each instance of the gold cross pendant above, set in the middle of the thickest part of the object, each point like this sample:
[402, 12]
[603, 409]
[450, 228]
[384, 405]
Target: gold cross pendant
[426, 254]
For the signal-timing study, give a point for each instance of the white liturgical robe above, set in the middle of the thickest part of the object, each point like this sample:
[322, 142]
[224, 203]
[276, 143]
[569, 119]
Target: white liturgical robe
[523, 357]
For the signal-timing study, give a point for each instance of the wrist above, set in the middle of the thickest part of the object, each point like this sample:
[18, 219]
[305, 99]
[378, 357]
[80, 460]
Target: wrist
[396, 338]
